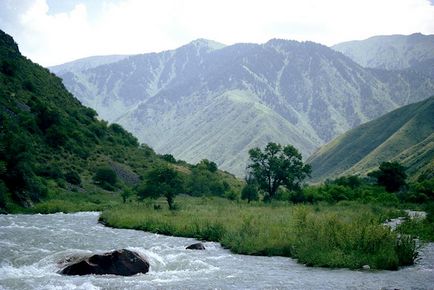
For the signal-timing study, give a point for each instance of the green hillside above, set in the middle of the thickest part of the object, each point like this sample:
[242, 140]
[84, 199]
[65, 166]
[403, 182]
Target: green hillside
[405, 135]
[51, 147]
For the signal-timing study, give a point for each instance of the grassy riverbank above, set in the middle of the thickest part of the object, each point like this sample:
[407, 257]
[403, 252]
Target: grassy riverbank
[347, 235]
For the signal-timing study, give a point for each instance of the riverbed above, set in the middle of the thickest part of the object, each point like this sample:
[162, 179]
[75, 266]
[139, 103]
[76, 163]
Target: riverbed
[31, 247]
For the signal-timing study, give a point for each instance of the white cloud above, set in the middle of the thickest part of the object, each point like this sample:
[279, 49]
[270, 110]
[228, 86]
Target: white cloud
[135, 26]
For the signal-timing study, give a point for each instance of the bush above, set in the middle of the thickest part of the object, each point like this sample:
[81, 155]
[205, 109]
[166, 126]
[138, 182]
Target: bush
[250, 192]
[73, 177]
[391, 175]
[8, 67]
[168, 157]
[3, 192]
[51, 170]
[105, 177]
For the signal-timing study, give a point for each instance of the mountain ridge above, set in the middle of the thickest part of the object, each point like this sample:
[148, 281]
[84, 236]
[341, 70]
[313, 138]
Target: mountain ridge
[302, 93]
[392, 52]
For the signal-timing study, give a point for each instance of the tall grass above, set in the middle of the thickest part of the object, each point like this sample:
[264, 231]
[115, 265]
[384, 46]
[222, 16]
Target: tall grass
[348, 235]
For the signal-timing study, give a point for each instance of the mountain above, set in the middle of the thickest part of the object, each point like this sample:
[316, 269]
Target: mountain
[392, 52]
[211, 101]
[86, 63]
[51, 145]
[405, 135]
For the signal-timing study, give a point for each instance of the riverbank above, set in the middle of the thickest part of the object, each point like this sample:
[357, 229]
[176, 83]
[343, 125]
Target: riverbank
[347, 235]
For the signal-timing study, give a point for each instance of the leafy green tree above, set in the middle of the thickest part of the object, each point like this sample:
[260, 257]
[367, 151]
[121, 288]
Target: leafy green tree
[73, 177]
[250, 190]
[162, 181]
[105, 177]
[168, 157]
[277, 166]
[208, 165]
[391, 175]
[249, 193]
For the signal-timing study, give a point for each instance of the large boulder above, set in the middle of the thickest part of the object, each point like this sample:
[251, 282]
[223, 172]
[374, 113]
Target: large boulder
[197, 246]
[120, 262]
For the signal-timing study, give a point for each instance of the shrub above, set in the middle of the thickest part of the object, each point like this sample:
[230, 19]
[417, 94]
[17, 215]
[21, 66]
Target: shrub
[105, 177]
[73, 177]
[250, 192]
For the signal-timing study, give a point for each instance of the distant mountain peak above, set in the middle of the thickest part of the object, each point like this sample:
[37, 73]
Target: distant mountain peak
[210, 44]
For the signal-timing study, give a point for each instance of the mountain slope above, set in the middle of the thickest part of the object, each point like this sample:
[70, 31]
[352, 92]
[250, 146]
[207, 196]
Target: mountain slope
[390, 52]
[405, 135]
[85, 63]
[52, 145]
[205, 101]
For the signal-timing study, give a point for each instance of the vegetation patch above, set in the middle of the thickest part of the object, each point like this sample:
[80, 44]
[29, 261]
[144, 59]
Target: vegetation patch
[346, 235]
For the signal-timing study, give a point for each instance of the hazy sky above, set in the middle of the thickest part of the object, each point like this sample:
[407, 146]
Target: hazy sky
[56, 31]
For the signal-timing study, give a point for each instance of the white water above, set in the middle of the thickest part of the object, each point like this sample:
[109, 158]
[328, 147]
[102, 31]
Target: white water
[31, 246]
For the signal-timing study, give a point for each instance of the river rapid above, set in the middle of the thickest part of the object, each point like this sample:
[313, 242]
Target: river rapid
[31, 247]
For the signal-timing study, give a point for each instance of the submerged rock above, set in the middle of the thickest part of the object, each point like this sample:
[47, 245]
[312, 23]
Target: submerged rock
[197, 246]
[120, 262]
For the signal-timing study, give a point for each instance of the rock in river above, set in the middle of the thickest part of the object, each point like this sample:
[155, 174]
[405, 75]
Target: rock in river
[197, 246]
[119, 262]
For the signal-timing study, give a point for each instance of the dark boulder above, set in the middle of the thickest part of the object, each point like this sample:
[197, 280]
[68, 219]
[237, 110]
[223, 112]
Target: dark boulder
[120, 262]
[197, 246]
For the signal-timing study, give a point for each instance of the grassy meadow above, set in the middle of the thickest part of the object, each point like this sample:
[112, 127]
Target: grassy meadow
[348, 234]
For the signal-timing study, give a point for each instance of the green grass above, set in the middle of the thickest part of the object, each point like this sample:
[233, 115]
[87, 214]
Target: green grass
[347, 235]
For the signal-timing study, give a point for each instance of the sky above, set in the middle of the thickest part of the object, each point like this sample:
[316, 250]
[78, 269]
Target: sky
[52, 32]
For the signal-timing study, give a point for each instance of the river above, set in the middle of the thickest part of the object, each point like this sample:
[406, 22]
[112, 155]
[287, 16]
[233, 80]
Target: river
[32, 245]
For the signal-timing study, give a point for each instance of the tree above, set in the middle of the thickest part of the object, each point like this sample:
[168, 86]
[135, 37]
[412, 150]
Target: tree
[162, 181]
[105, 177]
[208, 165]
[391, 175]
[277, 166]
[250, 190]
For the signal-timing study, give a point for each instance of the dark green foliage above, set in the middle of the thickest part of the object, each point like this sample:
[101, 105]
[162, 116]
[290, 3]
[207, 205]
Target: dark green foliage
[105, 177]
[420, 191]
[250, 190]
[205, 180]
[73, 177]
[169, 158]
[3, 193]
[51, 171]
[250, 193]
[351, 181]
[208, 165]
[8, 67]
[162, 181]
[346, 188]
[125, 194]
[391, 175]
[277, 166]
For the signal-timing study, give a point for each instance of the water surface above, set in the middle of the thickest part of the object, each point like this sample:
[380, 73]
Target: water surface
[32, 245]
